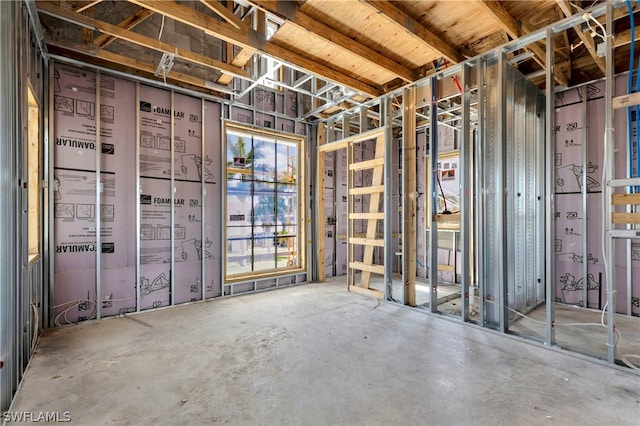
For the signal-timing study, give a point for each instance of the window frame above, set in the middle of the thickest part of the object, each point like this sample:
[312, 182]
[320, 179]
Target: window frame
[299, 141]
[33, 155]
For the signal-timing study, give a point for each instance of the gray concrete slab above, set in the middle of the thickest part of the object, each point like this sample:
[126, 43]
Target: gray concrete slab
[314, 355]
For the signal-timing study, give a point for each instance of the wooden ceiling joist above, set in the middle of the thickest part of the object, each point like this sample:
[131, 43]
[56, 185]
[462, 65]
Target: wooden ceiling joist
[87, 5]
[393, 14]
[624, 37]
[303, 21]
[128, 23]
[586, 39]
[132, 37]
[254, 41]
[239, 60]
[129, 62]
[509, 25]
[225, 14]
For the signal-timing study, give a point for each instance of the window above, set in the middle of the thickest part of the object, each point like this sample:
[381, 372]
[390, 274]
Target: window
[263, 210]
[33, 177]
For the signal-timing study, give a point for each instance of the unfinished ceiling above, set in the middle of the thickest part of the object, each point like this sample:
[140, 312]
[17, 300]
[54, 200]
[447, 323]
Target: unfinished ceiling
[371, 47]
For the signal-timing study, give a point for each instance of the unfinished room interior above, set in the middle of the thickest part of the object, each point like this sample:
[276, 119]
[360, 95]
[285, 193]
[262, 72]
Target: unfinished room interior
[320, 212]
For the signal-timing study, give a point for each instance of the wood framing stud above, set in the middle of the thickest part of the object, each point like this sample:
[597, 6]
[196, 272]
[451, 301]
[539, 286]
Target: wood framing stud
[320, 213]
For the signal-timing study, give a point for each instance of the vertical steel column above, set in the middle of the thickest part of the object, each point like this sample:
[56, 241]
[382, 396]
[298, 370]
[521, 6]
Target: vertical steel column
[466, 168]
[479, 185]
[386, 115]
[172, 296]
[433, 191]
[98, 201]
[409, 195]
[9, 257]
[584, 193]
[203, 195]
[222, 194]
[317, 209]
[47, 175]
[609, 164]
[138, 193]
[550, 283]
[501, 194]
[351, 278]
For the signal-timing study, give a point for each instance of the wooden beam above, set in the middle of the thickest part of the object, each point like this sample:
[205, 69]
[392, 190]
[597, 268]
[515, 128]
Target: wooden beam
[367, 164]
[587, 40]
[376, 189]
[367, 242]
[87, 33]
[625, 199]
[375, 269]
[344, 142]
[367, 215]
[447, 268]
[139, 39]
[624, 37]
[509, 25]
[413, 27]
[367, 291]
[304, 22]
[320, 213]
[86, 6]
[225, 14]
[625, 218]
[128, 62]
[140, 16]
[254, 41]
[454, 217]
[625, 100]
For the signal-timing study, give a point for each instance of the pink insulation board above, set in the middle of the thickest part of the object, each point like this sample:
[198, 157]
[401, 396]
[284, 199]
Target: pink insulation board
[75, 206]
[570, 216]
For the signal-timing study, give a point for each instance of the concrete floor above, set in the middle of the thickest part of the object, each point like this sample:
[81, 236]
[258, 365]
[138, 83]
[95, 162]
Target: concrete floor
[313, 355]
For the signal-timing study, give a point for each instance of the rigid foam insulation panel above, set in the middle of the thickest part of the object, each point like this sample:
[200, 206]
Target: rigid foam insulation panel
[573, 137]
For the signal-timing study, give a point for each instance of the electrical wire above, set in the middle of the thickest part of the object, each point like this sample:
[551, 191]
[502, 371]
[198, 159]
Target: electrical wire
[618, 337]
[161, 28]
[445, 211]
[36, 323]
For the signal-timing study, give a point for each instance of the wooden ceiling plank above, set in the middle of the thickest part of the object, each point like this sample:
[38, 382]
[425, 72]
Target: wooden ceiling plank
[305, 22]
[397, 16]
[587, 40]
[252, 41]
[87, 6]
[128, 23]
[139, 39]
[225, 14]
[509, 25]
[319, 69]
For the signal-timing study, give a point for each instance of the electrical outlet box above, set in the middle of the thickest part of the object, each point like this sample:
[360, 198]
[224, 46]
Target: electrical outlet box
[601, 49]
